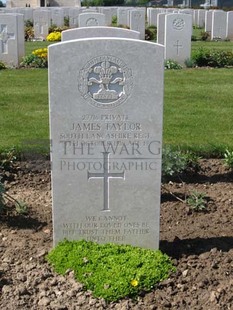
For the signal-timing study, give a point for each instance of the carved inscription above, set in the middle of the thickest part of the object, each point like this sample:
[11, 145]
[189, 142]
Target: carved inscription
[105, 228]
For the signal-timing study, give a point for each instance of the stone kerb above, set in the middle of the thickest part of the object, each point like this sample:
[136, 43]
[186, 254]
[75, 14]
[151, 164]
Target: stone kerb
[90, 32]
[106, 103]
[11, 39]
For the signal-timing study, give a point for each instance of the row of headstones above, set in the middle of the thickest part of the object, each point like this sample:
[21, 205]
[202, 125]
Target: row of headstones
[174, 31]
[82, 17]
[216, 22]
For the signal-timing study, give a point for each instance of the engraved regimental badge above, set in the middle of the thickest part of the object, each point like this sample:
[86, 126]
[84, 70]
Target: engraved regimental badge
[178, 24]
[105, 82]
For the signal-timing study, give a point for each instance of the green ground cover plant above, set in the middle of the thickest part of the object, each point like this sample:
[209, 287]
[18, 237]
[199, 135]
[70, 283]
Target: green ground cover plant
[111, 271]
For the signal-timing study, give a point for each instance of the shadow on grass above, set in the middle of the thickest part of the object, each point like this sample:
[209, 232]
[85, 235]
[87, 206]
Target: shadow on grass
[196, 246]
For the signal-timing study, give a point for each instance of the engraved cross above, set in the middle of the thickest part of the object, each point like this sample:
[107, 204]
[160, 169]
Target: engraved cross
[177, 45]
[105, 175]
[4, 37]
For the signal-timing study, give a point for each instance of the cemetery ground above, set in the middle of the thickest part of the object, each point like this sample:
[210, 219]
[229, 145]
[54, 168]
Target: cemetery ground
[199, 243]
[198, 117]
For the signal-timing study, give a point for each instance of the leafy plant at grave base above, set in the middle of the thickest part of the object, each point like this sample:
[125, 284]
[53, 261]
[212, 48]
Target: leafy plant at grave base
[197, 201]
[172, 64]
[151, 33]
[205, 36]
[55, 28]
[8, 157]
[111, 271]
[20, 207]
[228, 158]
[123, 26]
[2, 66]
[193, 38]
[214, 58]
[190, 63]
[66, 21]
[38, 59]
[28, 30]
[114, 21]
[176, 162]
[54, 36]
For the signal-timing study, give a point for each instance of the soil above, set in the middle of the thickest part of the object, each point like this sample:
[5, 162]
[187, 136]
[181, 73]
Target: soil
[199, 243]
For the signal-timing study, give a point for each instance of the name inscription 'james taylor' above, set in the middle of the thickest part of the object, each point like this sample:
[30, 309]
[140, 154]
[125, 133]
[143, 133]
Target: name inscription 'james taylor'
[106, 126]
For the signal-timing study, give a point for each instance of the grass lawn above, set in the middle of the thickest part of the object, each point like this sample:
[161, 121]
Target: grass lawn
[197, 107]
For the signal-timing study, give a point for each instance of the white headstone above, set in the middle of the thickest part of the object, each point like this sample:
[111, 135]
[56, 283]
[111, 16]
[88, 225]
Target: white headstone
[11, 39]
[152, 16]
[178, 32]
[219, 25]
[106, 108]
[92, 32]
[122, 16]
[91, 19]
[42, 22]
[73, 16]
[57, 16]
[208, 21]
[138, 22]
[161, 28]
[108, 15]
[201, 18]
[230, 25]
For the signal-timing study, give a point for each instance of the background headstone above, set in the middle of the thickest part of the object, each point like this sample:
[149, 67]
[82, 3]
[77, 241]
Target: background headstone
[137, 22]
[178, 32]
[41, 22]
[11, 39]
[91, 19]
[106, 103]
[161, 28]
[229, 29]
[91, 32]
[219, 25]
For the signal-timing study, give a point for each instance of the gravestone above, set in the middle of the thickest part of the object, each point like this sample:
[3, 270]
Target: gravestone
[229, 29]
[108, 13]
[138, 22]
[41, 22]
[73, 16]
[152, 16]
[11, 39]
[91, 19]
[57, 17]
[208, 21]
[219, 25]
[106, 103]
[178, 32]
[91, 32]
[122, 16]
[201, 18]
[161, 28]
